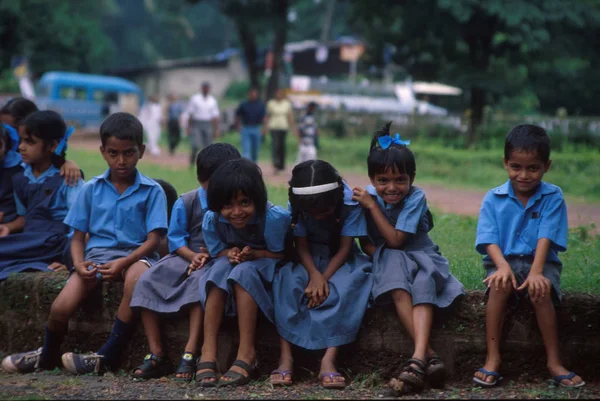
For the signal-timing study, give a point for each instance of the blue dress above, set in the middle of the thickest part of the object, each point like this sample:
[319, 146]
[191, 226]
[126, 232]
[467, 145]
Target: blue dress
[166, 287]
[418, 268]
[44, 239]
[10, 166]
[337, 321]
[256, 276]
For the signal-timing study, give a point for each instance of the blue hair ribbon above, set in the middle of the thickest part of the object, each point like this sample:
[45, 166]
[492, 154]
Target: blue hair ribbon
[387, 140]
[13, 135]
[62, 145]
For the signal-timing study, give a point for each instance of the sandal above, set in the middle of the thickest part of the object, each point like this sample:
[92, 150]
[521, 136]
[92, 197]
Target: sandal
[332, 383]
[485, 384]
[187, 364]
[436, 372]
[558, 380]
[151, 370]
[282, 381]
[238, 379]
[211, 374]
[416, 379]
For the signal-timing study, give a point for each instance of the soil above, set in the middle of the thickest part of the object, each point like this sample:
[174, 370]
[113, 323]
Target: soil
[448, 200]
[59, 385]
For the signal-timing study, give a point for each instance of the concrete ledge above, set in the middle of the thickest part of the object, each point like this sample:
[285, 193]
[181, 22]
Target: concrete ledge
[458, 334]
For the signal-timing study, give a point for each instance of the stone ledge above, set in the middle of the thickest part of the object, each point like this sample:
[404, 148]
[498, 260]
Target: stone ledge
[458, 335]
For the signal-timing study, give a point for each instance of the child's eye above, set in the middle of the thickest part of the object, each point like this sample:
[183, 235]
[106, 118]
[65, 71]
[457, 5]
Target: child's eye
[245, 202]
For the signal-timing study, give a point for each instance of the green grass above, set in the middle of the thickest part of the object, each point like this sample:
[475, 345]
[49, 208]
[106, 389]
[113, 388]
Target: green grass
[454, 234]
[571, 169]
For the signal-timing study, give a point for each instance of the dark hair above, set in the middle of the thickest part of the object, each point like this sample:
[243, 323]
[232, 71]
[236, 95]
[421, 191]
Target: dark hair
[19, 108]
[212, 157]
[528, 138]
[311, 173]
[399, 158]
[122, 126]
[171, 194]
[50, 127]
[233, 176]
[311, 106]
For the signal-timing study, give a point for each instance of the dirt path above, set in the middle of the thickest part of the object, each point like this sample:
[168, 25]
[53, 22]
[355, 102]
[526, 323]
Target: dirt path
[51, 385]
[449, 200]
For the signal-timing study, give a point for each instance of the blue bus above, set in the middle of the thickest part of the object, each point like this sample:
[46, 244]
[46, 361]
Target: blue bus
[84, 100]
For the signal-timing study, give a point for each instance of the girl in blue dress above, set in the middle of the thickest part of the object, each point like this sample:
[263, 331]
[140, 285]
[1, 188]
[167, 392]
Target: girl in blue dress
[38, 236]
[408, 268]
[246, 235]
[320, 301]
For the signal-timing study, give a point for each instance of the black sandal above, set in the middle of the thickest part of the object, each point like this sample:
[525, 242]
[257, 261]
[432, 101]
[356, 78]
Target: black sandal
[187, 364]
[416, 379]
[436, 371]
[238, 379]
[151, 370]
[206, 375]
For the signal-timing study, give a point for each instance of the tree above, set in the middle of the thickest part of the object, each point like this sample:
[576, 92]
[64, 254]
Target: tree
[484, 46]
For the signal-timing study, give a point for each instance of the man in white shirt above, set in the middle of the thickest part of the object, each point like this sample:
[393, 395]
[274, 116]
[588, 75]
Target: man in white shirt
[151, 118]
[202, 111]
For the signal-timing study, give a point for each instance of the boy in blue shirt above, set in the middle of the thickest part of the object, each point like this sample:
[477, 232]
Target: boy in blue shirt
[522, 227]
[125, 214]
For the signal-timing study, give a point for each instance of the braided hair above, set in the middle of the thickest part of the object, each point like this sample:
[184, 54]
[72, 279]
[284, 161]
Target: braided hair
[397, 157]
[312, 173]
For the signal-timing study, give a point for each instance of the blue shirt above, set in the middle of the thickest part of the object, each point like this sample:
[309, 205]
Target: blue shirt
[516, 229]
[178, 234]
[354, 225]
[64, 198]
[12, 157]
[251, 113]
[175, 110]
[277, 221]
[410, 214]
[116, 220]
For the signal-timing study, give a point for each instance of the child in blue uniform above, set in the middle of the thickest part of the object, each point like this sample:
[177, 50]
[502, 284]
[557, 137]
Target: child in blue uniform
[246, 234]
[38, 236]
[522, 227]
[12, 115]
[408, 268]
[174, 282]
[320, 302]
[124, 213]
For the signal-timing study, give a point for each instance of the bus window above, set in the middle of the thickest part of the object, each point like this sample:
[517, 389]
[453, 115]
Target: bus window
[69, 92]
[103, 96]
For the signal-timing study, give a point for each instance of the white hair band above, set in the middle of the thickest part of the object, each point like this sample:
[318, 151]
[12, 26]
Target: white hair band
[317, 189]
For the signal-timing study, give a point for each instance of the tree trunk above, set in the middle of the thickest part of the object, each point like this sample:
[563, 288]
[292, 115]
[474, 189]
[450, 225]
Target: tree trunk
[248, 41]
[280, 11]
[477, 105]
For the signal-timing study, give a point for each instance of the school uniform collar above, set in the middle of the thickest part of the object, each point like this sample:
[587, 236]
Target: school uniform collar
[543, 189]
[140, 179]
[28, 172]
[202, 194]
[348, 195]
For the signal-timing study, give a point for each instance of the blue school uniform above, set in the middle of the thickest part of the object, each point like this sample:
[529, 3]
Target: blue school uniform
[166, 287]
[504, 221]
[11, 165]
[337, 321]
[117, 223]
[256, 276]
[43, 201]
[418, 268]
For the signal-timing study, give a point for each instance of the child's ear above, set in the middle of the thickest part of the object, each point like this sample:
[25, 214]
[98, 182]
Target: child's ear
[142, 150]
[547, 166]
[53, 146]
[505, 163]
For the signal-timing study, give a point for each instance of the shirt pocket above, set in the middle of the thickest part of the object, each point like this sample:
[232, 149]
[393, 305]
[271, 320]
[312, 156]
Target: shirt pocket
[531, 228]
[134, 221]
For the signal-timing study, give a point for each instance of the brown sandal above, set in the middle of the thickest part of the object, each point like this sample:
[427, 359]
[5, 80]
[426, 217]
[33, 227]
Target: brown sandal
[416, 379]
[436, 371]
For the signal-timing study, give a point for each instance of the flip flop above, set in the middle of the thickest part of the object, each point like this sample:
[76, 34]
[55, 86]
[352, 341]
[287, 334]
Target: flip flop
[281, 382]
[485, 384]
[331, 383]
[558, 380]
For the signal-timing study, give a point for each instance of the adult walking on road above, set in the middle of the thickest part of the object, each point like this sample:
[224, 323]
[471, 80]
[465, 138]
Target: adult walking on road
[202, 113]
[278, 121]
[250, 114]
[151, 117]
[174, 111]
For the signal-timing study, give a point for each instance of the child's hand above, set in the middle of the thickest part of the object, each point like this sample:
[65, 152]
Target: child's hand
[84, 273]
[247, 254]
[71, 172]
[112, 271]
[57, 267]
[317, 290]
[362, 196]
[537, 285]
[504, 277]
[198, 261]
[234, 255]
[4, 231]
[1, 216]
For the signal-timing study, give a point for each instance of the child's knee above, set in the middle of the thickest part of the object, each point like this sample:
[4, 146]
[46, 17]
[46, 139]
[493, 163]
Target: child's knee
[133, 274]
[500, 293]
[400, 296]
